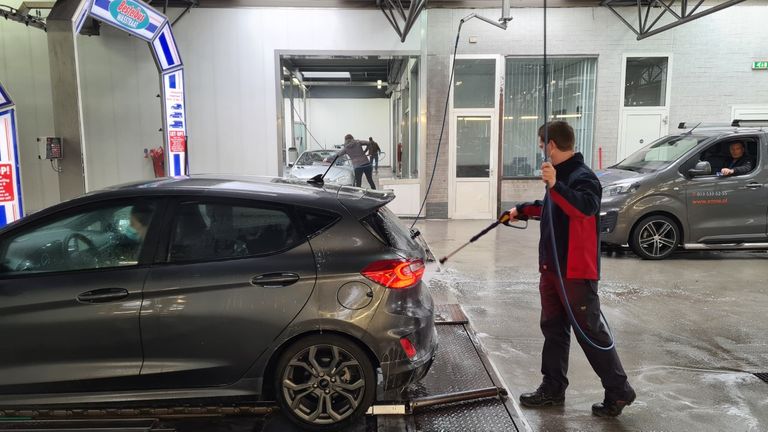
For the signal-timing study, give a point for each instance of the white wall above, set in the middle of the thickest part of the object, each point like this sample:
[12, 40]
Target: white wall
[231, 74]
[121, 110]
[25, 74]
[331, 119]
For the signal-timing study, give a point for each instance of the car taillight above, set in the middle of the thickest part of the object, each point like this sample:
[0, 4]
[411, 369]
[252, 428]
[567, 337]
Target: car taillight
[408, 347]
[395, 274]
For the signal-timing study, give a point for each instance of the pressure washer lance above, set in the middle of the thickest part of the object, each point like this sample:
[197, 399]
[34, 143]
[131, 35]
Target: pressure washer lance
[503, 219]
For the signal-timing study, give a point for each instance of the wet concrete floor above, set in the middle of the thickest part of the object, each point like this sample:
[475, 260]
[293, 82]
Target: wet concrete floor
[690, 330]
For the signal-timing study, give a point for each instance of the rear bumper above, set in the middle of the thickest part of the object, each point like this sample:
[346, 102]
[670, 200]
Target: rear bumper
[398, 374]
[408, 314]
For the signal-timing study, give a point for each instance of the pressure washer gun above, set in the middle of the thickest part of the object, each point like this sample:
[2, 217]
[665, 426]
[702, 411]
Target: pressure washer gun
[503, 219]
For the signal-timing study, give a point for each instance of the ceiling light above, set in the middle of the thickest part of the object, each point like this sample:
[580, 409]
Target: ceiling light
[345, 75]
[458, 83]
[529, 118]
[378, 84]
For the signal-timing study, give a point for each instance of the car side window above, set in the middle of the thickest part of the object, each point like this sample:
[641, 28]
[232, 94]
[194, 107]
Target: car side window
[102, 237]
[739, 154]
[219, 231]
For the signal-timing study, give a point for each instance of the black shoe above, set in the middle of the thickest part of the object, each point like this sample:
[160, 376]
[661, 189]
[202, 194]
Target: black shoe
[613, 408]
[541, 398]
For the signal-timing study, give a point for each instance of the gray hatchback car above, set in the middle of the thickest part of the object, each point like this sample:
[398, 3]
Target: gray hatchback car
[191, 289]
[672, 193]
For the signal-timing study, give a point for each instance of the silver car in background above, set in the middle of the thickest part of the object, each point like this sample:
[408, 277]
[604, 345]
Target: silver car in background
[312, 163]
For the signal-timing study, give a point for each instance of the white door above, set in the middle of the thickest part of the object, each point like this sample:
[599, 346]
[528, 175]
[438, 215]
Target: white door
[474, 137]
[645, 99]
[640, 129]
[474, 150]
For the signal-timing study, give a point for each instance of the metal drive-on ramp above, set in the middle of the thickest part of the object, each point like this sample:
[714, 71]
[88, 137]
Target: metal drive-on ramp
[461, 393]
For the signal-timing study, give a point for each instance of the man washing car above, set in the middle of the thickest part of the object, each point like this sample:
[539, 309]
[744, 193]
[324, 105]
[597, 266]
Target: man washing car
[575, 193]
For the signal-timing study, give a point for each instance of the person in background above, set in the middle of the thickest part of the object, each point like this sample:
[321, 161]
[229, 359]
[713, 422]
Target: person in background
[362, 165]
[373, 154]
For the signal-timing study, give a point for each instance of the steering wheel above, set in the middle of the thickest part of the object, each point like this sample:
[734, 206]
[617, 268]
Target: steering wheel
[80, 258]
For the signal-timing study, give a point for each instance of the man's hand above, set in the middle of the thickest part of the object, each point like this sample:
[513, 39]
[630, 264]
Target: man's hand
[548, 174]
[508, 216]
[726, 171]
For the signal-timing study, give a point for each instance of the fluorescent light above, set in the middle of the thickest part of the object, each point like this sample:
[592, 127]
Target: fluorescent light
[529, 118]
[326, 75]
[509, 118]
[378, 84]
[483, 119]
[568, 116]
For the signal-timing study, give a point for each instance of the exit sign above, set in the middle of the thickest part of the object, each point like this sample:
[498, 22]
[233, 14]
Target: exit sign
[760, 65]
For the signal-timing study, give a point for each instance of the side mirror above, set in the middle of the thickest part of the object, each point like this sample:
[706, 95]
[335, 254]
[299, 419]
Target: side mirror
[702, 168]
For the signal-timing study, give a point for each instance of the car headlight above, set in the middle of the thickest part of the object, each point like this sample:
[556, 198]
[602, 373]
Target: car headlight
[621, 189]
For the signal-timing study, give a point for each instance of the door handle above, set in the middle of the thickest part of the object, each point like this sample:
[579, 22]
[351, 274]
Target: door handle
[274, 280]
[103, 295]
[754, 186]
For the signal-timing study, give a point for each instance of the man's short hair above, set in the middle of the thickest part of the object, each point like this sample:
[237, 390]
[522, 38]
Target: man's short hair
[739, 143]
[348, 137]
[560, 132]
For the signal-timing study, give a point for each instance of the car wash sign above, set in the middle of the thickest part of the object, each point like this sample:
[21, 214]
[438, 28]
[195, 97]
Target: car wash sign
[141, 20]
[10, 183]
[176, 121]
[135, 17]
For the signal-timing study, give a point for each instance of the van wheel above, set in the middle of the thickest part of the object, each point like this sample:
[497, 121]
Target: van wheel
[324, 382]
[655, 238]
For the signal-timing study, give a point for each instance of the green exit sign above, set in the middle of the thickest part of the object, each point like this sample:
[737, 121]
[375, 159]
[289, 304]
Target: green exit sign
[760, 65]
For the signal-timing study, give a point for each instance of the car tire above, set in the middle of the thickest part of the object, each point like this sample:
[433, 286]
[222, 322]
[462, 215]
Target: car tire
[322, 368]
[655, 238]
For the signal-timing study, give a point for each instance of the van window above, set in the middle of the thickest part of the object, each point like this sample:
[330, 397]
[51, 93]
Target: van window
[660, 154]
[719, 156]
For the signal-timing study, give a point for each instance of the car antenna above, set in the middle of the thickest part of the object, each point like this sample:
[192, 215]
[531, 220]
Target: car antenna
[319, 179]
[691, 131]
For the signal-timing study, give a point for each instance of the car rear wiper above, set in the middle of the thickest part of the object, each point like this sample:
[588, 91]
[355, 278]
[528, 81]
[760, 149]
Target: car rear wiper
[319, 179]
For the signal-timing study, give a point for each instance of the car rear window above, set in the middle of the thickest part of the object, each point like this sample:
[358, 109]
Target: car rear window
[388, 228]
[315, 221]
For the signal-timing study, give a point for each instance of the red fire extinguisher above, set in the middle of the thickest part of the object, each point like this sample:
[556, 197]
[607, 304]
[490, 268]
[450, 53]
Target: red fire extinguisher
[158, 160]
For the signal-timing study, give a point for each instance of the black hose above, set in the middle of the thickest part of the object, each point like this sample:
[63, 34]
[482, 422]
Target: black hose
[442, 128]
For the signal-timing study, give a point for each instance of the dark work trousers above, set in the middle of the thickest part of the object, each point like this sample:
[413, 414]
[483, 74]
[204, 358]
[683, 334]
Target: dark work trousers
[585, 303]
[368, 171]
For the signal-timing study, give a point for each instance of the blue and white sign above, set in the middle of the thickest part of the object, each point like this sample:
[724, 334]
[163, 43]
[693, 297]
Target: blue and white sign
[175, 122]
[5, 100]
[133, 16]
[11, 208]
[164, 47]
[81, 15]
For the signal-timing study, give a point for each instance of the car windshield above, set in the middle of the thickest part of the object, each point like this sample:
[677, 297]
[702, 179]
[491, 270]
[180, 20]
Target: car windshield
[660, 154]
[317, 158]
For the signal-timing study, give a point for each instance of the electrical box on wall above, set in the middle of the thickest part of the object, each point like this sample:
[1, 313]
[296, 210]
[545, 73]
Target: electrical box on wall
[50, 148]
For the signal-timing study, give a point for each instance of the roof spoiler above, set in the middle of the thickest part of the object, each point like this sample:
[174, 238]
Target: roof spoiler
[362, 202]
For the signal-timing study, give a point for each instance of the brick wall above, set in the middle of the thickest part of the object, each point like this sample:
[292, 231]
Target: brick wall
[711, 69]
